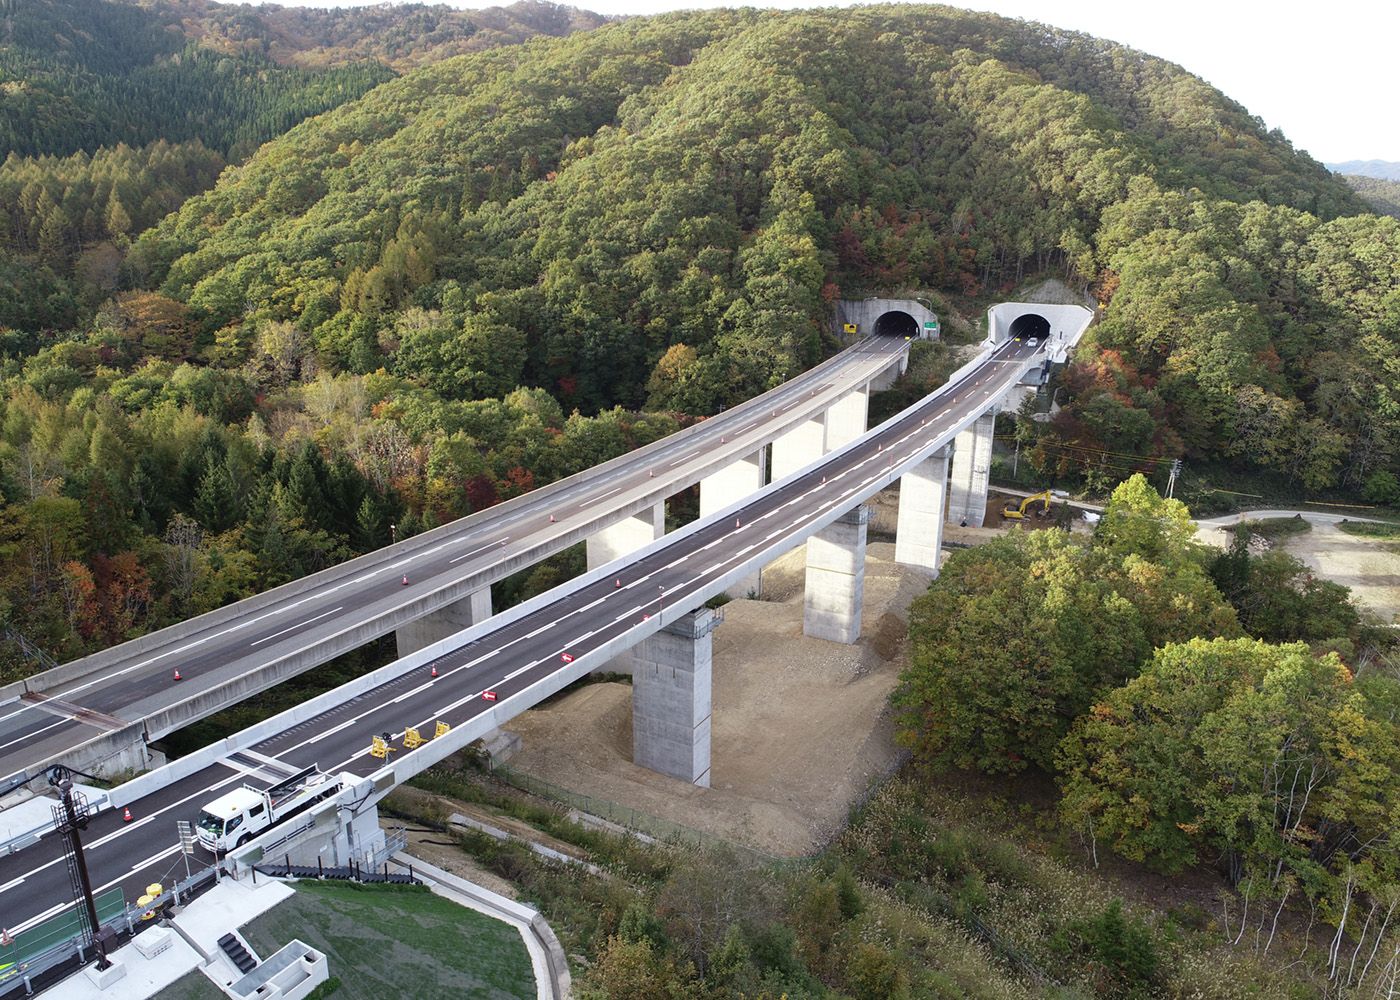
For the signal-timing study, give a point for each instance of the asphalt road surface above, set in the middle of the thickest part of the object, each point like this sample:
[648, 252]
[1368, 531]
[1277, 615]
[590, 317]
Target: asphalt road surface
[509, 660]
[136, 680]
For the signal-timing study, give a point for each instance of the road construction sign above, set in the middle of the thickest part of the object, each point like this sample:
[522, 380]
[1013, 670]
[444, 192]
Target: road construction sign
[850, 327]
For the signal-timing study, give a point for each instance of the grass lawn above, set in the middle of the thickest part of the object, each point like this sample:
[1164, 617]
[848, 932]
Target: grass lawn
[1368, 529]
[195, 986]
[1276, 527]
[391, 942]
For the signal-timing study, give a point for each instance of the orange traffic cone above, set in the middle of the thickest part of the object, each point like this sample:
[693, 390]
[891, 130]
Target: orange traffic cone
[618, 583]
[551, 518]
[405, 580]
[177, 674]
[126, 815]
[736, 522]
[434, 671]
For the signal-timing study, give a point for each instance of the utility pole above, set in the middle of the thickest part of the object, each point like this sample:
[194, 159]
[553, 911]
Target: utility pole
[71, 816]
[1171, 476]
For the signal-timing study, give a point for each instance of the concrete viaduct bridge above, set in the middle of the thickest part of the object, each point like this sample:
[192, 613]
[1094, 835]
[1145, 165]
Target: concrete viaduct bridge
[647, 602]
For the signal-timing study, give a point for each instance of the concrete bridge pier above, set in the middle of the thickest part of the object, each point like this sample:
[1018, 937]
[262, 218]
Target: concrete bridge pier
[620, 539]
[449, 620]
[671, 698]
[729, 485]
[801, 446]
[836, 578]
[972, 469]
[846, 418]
[922, 505]
[626, 536]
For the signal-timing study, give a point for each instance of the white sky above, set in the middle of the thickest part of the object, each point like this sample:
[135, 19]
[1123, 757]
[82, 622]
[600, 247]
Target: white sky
[1323, 72]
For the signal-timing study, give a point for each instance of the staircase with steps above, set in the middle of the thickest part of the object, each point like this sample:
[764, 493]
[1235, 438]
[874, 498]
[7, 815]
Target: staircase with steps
[237, 954]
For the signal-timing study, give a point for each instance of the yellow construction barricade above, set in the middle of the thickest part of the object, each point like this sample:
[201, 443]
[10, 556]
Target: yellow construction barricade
[379, 747]
[442, 729]
[411, 738]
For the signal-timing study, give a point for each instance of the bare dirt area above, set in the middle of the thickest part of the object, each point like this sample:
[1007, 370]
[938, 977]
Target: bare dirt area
[1369, 566]
[800, 730]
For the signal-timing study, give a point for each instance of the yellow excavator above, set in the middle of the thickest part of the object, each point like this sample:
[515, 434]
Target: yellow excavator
[1014, 513]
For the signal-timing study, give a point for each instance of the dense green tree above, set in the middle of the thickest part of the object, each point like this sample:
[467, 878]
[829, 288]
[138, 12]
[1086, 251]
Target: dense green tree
[1265, 756]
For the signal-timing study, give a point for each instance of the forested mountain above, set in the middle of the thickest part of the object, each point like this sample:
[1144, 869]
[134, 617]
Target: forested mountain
[1381, 195]
[388, 313]
[80, 74]
[399, 35]
[1383, 169]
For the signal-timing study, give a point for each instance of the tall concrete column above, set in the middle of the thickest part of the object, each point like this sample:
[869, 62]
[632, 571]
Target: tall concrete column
[671, 698]
[802, 445]
[615, 541]
[449, 620]
[626, 536]
[846, 418]
[836, 579]
[731, 484]
[919, 535]
[972, 469]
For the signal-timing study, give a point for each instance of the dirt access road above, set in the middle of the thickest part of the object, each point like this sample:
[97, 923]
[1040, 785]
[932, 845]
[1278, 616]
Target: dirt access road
[1369, 566]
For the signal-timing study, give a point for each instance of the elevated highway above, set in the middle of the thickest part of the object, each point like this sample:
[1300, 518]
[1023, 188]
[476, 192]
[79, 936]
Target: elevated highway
[99, 713]
[522, 655]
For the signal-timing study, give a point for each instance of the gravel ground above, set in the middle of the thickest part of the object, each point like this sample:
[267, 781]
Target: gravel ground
[800, 727]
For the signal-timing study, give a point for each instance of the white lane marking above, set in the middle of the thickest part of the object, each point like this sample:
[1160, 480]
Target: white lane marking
[29, 736]
[12, 884]
[852, 488]
[153, 858]
[293, 628]
[319, 594]
[467, 555]
[600, 496]
[127, 828]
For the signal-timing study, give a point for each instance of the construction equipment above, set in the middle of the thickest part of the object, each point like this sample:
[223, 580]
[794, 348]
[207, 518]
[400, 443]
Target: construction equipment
[1014, 513]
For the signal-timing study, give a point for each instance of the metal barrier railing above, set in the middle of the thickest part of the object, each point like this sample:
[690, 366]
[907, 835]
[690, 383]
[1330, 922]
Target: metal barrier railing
[62, 938]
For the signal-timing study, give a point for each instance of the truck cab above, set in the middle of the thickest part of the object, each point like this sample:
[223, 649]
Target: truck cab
[238, 816]
[232, 819]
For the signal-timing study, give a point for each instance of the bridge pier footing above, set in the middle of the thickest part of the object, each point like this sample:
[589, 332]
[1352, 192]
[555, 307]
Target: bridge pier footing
[729, 485]
[671, 698]
[972, 469]
[922, 505]
[434, 627]
[835, 584]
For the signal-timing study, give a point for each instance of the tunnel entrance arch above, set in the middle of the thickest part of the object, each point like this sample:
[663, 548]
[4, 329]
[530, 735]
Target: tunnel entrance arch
[1030, 325]
[896, 323]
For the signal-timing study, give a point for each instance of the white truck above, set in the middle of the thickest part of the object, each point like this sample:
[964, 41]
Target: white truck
[240, 815]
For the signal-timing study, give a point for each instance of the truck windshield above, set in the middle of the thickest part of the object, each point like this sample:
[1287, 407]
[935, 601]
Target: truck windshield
[210, 824]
